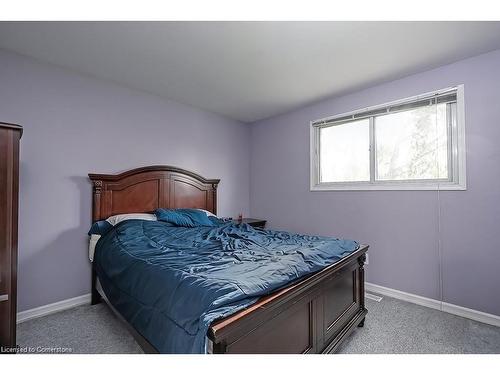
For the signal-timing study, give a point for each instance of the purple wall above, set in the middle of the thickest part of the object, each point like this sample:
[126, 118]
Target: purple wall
[75, 125]
[400, 226]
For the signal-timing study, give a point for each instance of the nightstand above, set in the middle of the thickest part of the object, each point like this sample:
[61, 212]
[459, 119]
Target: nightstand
[256, 223]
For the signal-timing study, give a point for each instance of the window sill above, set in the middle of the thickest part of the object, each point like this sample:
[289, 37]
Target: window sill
[388, 186]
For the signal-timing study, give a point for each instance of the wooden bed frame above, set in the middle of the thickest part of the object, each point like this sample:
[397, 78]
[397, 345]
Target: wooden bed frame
[311, 316]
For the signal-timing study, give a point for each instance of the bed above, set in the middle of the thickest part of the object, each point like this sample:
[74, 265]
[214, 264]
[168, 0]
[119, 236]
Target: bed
[312, 314]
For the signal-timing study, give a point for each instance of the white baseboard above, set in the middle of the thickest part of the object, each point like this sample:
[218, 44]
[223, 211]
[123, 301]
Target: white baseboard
[408, 297]
[51, 308]
[435, 304]
[479, 316]
[413, 298]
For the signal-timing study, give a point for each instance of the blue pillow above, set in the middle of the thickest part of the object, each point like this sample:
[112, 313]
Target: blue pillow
[100, 227]
[216, 221]
[184, 217]
[198, 217]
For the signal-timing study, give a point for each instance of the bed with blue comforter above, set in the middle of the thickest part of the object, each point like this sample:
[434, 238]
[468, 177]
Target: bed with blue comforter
[170, 281]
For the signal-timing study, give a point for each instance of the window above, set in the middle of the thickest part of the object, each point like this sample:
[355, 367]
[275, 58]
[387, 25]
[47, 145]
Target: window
[412, 144]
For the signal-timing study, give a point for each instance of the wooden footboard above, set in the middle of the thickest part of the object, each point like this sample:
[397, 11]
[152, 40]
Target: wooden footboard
[313, 316]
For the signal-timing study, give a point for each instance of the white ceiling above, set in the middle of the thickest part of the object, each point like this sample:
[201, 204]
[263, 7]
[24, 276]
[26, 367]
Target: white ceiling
[249, 70]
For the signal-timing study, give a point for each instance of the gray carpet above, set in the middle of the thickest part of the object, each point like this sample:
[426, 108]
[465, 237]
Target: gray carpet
[84, 329]
[392, 326]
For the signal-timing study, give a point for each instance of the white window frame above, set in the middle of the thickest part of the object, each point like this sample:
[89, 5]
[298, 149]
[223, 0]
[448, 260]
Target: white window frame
[458, 151]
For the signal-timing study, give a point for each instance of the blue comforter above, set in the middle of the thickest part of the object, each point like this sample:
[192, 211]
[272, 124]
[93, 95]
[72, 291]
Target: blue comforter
[171, 282]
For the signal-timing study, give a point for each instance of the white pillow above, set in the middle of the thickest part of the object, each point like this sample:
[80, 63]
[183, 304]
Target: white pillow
[207, 212]
[92, 242]
[113, 220]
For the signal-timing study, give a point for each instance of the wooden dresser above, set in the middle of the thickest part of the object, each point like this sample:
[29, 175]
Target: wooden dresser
[10, 134]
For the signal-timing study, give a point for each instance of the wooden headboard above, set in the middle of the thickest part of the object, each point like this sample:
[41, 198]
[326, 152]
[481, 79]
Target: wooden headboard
[148, 188]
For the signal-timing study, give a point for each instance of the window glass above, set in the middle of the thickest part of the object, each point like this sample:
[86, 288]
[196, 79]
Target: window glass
[412, 145]
[345, 152]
